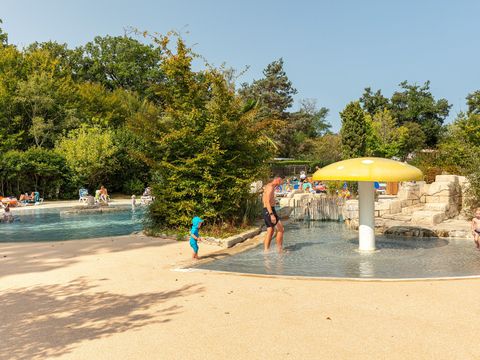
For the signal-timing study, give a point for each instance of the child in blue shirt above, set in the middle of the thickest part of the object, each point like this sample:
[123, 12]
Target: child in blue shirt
[194, 236]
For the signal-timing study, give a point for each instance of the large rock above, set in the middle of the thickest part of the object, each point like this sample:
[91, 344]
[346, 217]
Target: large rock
[425, 217]
[409, 210]
[447, 178]
[440, 207]
[442, 188]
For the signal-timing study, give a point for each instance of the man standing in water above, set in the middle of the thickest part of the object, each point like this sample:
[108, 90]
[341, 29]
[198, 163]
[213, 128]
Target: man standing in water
[270, 215]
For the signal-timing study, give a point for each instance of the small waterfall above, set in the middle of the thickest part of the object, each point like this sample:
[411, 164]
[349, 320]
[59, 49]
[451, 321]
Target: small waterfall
[318, 208]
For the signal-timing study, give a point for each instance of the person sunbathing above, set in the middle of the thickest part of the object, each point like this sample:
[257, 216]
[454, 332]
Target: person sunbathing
[24, 197]
[104, 194]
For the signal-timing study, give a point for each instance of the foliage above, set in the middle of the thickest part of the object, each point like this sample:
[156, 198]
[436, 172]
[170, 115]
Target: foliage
[374, 103]
[132, 174]
[119, 62]
[412, 111]
[416, 104]
[35, 169]
[273, 93]
[270, 97]
[90, 154]
[354, 131]
[302, 128]
[3, 36]
[290, 162]
[204, 147]
[324, 150]
[473, 103]
[383, 139]
[458, 152]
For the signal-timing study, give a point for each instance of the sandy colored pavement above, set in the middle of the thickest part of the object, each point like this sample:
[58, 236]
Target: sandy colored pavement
[118, 298]
[56, 204]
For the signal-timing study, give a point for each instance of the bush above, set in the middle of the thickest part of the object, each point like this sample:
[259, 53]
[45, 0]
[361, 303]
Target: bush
[35, 169]
[133, 186]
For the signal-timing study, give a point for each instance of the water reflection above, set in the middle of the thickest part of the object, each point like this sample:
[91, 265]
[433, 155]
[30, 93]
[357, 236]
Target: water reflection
[365, 266]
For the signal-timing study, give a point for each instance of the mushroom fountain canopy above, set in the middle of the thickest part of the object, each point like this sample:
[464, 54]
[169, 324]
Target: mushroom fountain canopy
[368, 169]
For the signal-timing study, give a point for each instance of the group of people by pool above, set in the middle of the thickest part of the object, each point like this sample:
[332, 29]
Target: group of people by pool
[23, 199]
[307, 185]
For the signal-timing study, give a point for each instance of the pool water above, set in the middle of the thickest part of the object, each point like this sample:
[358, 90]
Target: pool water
[55, 224]
[330, 250]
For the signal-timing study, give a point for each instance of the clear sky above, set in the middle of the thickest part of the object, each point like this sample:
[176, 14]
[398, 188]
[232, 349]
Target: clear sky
[332, 49]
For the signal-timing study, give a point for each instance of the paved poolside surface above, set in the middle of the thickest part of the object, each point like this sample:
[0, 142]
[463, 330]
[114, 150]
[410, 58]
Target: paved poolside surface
[57, 204]
[118, 298]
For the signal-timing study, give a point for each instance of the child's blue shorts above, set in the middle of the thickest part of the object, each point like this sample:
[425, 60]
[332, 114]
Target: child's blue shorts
[194, 245]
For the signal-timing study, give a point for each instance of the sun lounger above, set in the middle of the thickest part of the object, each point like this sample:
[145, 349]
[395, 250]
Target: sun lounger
[83, 195]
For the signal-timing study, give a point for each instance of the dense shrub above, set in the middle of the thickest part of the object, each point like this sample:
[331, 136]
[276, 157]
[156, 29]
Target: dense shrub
[35, 169]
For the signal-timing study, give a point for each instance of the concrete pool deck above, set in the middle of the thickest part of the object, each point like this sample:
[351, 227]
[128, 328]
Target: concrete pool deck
[60, 204]
[118, 298]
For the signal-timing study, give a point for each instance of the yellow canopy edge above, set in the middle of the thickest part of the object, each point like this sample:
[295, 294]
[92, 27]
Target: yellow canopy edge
[369, 169]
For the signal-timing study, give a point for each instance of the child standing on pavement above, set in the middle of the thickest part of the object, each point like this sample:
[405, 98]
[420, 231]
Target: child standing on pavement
[194, 236]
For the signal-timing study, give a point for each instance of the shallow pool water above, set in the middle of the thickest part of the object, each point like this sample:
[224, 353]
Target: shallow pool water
[329, 249]
[55, 224]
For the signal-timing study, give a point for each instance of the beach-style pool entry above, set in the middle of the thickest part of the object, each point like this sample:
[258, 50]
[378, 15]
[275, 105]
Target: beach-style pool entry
[58, 224]
[330, 250]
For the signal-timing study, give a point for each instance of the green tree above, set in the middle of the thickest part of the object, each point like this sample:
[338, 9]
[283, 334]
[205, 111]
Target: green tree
[304, 125]
[324, 150]
[204, 147]
[90, 154]
[36, 169]
[473, 103]
[354, 131]
[383, 137]
[96, 105]
[373, 103]
[416, 104]
[410, 139]
[273, 93]
[119, 62]
[3, 36]
[12, 130]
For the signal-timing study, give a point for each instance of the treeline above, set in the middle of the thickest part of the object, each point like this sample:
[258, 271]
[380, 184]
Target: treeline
[78, 110]
[410, 126]
[127, 113]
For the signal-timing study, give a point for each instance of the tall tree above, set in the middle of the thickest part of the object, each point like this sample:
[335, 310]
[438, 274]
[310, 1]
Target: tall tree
[119, 61]
[383, 135]
[416, 104]
[3, 36]
[303, 126]
[273, 93]
[204, 146]
[473, 103]
[353, 131]
[373, 102]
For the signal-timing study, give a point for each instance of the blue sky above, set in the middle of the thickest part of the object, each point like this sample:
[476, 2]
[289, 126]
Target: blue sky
[332, 49]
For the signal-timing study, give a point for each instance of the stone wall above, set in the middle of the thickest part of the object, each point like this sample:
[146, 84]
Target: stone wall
[419, 203]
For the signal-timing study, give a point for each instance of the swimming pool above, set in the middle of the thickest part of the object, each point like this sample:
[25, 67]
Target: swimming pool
[56, 224]
[330, 250]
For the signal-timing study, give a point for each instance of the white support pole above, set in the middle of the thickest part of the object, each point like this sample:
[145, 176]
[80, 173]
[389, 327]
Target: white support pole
[366, 206]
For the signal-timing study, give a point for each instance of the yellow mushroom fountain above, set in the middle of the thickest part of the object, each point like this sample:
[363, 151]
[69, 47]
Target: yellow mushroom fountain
[366, 171]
